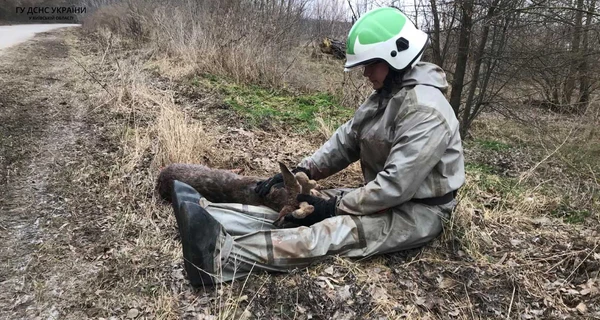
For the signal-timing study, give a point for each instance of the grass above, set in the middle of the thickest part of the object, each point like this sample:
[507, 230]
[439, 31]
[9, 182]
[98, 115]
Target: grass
[487, 178]
[494, 145]
[495, 214]
[569, 214]
[583, 156]
[479, 167]
[494, 247]
[261, 106]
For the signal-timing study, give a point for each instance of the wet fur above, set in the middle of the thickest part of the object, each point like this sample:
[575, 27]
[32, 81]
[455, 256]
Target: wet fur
[219, 186]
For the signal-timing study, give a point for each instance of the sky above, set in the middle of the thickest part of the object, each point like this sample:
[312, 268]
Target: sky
[343, 12]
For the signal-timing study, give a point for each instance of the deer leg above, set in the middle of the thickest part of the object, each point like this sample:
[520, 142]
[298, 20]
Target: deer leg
[304, 210]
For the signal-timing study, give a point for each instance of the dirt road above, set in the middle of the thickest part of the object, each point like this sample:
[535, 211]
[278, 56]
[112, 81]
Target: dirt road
[15, 34]
[51, 152]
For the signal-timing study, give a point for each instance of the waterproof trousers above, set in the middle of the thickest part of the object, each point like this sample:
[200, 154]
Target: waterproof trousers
[250, 242]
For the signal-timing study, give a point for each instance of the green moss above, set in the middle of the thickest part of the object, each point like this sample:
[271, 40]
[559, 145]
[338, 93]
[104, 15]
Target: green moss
[492, 145]
[485, 178]
[570, 215]
[195, 82]
[258, 105]
[479, 167]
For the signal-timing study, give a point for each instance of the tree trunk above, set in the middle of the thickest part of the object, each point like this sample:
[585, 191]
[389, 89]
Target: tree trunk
[449, 26]
[463, 54]
[575, 54]
[584, 83]
[464, 127]
[497, 47]
[435, 41]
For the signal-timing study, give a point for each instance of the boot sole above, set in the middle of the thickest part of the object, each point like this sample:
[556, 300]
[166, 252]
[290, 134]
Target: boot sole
[198, 240]
[199, 233]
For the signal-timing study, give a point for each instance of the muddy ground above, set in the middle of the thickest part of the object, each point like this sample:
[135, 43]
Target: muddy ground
[72, 246]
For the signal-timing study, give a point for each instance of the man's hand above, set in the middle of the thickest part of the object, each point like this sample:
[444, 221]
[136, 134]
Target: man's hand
[323, 209]
[264, 187]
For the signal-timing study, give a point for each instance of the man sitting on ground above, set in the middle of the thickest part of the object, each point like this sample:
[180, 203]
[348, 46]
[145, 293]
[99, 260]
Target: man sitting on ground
[407, 139]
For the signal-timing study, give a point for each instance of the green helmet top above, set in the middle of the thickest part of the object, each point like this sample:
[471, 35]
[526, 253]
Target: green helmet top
[366, 29]
[384, 34]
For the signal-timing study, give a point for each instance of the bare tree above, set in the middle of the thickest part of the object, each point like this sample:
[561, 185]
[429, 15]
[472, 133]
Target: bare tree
[464, 40]
[584, 77]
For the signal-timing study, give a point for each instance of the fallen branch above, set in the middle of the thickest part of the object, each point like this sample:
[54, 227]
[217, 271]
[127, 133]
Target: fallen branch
[333, 47]
[512, 299]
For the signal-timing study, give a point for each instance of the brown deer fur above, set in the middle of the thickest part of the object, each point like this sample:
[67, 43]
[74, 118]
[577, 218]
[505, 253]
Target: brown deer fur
[225, 186]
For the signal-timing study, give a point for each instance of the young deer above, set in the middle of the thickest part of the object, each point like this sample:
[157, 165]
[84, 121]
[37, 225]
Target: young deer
[225, 186]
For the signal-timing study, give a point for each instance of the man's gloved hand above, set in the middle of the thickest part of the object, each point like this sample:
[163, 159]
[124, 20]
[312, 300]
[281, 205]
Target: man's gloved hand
[323, 209]
[264, 187]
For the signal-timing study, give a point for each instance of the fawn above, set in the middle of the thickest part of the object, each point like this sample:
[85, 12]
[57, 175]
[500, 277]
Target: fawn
[225, 186]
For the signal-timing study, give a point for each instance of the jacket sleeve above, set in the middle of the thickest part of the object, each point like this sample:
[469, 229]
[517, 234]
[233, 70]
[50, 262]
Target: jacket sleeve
[421, 138]
[337, 153]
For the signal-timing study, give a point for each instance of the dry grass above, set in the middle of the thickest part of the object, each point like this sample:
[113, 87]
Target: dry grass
[267, 46]
[180, 141]
[260, 50]
[503, 254]
[556, 153]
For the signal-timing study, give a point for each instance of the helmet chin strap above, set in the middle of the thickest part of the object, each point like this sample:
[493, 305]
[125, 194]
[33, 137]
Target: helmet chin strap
[393, 79]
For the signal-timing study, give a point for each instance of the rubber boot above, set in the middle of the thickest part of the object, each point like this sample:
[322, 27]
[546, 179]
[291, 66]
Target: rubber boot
[183, 192]
[199, 233]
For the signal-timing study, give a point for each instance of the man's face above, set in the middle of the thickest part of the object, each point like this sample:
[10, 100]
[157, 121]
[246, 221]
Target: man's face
[376, 72]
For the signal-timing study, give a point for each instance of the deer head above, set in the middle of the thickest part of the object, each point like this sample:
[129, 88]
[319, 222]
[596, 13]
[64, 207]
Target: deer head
[294, 184]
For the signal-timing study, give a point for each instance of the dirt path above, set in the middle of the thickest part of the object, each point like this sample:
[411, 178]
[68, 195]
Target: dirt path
[47, 143]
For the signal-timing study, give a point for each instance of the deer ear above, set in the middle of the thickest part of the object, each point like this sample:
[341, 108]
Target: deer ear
[288, 177]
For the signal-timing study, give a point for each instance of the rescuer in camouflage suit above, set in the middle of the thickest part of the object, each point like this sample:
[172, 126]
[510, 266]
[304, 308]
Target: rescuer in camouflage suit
[407, 140]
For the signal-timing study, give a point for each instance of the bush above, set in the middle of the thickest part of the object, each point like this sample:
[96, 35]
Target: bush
[264, 43]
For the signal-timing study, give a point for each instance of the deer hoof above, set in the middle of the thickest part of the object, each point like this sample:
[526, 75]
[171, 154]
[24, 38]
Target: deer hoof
[304, 210]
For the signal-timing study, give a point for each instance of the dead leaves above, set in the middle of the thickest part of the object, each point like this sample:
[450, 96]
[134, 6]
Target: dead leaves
[446, 283]
[581, 308]
[132, 313]
[591, 288]
[379, 294]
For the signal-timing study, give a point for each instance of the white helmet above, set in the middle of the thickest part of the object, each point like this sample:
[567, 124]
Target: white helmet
[384, 34]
